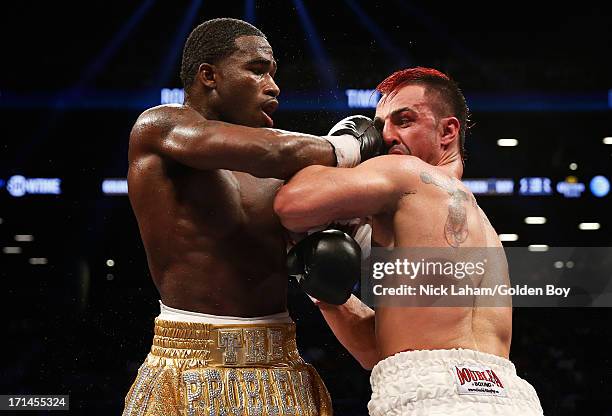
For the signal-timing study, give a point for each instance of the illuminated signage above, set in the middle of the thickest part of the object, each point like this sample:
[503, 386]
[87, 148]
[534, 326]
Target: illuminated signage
[115, 186]
[570, 189]
[535, 186]
[490, 186]
[362, 98]
[172, 96]
[19, 186]
[600, 186]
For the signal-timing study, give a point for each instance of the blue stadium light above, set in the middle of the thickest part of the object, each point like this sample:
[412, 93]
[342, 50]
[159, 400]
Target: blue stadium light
[324, 66]
[249, 11]
[502, 186]
[312, 100]
[115, 187]
[477, 186]
[570, 189]
[534, 101]
[490, 186]
[176, 47]
[362, 98]
[383, 40]
[113, 46]
[535, 186]
[437, 29]
[600, 186]
[172, 96]
[78, 95]
[18, 186]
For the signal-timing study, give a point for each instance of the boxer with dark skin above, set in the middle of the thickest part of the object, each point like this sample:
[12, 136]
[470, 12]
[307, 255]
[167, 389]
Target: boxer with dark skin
[203, 176]
[202, 179]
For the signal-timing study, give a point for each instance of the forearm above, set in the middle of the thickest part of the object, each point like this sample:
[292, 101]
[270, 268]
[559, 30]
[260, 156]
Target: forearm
[284, 153]
[353, 325]
[293, 200]
[262, 152]
[317, 195]
[289, 152]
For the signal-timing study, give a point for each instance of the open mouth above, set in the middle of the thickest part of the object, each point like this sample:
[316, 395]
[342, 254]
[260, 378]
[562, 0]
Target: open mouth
[268, 122]
[267, 109]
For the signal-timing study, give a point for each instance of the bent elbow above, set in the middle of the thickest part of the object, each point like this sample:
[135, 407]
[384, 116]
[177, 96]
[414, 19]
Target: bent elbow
[284, 203]
[289, 207]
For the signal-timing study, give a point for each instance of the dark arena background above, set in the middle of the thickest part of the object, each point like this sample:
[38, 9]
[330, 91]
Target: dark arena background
[77, 298]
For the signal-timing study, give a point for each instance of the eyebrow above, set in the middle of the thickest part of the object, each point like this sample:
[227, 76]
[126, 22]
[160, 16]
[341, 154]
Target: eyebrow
[394, 113]
[260, 61]
[263, 61]
[402, 110]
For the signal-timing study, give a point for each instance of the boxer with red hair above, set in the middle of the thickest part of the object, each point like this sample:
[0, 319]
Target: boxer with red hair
[426, 360]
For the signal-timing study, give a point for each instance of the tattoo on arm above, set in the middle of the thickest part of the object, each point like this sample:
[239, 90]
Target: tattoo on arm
[455, 229]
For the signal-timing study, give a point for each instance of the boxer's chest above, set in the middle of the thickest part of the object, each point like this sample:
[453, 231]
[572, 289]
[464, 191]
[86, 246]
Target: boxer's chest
[256, 197]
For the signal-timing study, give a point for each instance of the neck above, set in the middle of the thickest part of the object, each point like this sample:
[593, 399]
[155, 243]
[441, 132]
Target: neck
[202, 105]
[452, 163]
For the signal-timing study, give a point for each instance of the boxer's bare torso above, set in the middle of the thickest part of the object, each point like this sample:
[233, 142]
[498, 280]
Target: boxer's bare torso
[212, 240]
[200, 189]
[432, 201]
[416, 200]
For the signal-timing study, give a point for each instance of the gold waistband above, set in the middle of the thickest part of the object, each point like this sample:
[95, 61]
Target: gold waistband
[250, 345]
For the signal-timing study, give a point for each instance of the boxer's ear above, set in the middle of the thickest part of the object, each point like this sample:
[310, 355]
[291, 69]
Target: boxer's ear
[207, 75]
[448, 128]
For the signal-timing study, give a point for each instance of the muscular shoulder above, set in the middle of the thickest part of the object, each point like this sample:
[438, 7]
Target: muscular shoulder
[420, 184]
[403, 171]
[154, 124]
[438, 183]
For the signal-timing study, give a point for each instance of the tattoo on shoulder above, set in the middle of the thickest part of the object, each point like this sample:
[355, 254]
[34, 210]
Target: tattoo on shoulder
[455, 229]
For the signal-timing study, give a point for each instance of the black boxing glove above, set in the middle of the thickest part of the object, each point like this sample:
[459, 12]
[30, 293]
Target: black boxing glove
[326, 264]
[365, 140]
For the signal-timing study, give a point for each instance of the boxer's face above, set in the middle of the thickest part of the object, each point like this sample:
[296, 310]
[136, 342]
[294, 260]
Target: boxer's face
[245, 86]
[410, 124]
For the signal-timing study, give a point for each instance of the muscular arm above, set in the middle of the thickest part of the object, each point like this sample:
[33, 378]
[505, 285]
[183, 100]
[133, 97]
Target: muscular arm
[353, 324]
[317, 195]
[207, 144]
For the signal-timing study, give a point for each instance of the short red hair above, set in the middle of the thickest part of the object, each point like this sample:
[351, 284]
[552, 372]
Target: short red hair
[449, 99]
[409, 75]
